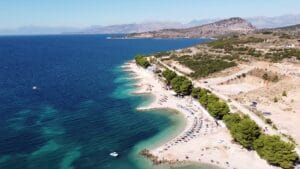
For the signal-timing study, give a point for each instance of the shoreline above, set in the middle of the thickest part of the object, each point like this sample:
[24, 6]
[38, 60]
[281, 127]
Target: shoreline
[201, 141]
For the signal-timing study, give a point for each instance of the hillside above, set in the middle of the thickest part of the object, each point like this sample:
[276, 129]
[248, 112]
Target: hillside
[260, 22]
[292, 30]
[219, 28]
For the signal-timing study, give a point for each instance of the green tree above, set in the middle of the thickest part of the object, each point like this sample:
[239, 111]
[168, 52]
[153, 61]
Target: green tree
[203, 99]
[169, 75]
[195, 92]
[218, 109]
[246, 132]
[276, 151]
[176, 83]
[211, 98]
[142, 61]
[186, 87]
[232, 119]
[181, 85]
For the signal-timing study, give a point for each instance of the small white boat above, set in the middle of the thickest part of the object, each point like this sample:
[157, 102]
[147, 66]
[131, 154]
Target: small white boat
[114, 154]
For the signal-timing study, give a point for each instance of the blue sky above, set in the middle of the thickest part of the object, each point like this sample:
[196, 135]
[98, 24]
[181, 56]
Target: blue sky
[81, 13]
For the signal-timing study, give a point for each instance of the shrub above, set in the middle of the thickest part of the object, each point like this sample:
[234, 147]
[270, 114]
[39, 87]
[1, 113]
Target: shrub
[268, 121]
[275, 78]
[265, 76]
[284, 93]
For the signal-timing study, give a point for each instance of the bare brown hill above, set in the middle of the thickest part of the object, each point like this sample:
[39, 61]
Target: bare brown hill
[220, 28]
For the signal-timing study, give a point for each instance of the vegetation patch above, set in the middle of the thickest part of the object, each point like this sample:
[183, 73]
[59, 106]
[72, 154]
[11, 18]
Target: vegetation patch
[180, 84]
[142, 61]
[216, 107]
[161, 54]
[228, 42]
[266, 75]
[276, 151]
[169, 75]
[243, 129]
[277, 55]
[204, 65]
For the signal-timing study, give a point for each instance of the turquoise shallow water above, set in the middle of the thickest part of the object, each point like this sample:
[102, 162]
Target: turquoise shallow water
[176, 125]
[82, 108]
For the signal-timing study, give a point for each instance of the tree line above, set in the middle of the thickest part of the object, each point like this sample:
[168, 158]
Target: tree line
[216, 107]
[180, 84]
[247, 133]
[243, 130]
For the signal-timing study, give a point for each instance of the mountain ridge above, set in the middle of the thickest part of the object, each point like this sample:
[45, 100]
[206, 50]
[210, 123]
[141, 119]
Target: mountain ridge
[223, 27]
[260, 22]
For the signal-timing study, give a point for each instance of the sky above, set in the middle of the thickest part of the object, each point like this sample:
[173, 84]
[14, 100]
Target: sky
[83, 13]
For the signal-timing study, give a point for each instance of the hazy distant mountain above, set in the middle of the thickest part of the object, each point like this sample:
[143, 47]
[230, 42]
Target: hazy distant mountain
[219, 28]
[36, 30]
[260, 22]
[131, 28]
[112, 29]
[203, 22]
[274, 22]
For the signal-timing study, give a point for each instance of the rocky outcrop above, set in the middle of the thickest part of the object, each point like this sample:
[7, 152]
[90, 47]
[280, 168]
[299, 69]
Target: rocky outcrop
[156, 161]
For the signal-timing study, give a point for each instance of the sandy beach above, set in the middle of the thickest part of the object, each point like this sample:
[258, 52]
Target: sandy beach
[203, 140]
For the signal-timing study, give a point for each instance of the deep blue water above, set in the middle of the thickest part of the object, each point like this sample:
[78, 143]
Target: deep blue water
[81, 109]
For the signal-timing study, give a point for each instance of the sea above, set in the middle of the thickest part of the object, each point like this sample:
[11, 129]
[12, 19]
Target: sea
[66, 103]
